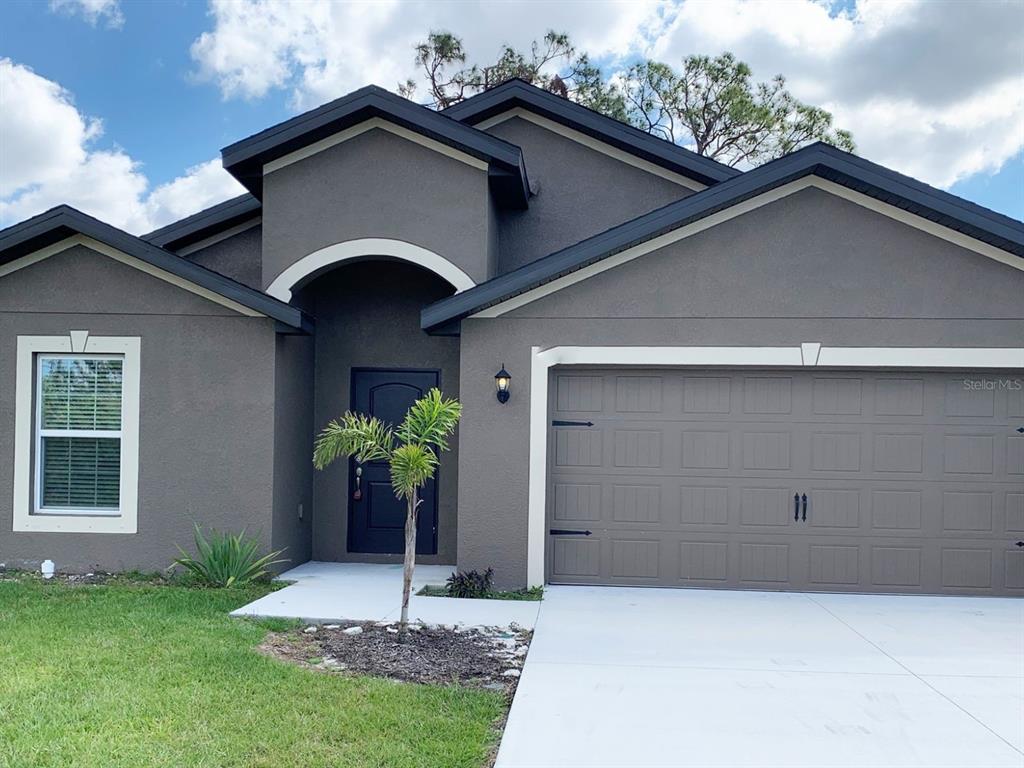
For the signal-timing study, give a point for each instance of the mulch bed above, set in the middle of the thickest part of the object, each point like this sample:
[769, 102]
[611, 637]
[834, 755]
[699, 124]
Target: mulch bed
[485, 658]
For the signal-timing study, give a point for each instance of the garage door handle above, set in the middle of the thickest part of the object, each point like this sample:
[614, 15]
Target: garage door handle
[562, 423]
[796, 507]
[804, 500]
[563, 532]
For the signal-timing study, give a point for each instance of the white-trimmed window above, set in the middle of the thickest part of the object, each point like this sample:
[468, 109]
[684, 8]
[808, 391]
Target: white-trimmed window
[76, 433]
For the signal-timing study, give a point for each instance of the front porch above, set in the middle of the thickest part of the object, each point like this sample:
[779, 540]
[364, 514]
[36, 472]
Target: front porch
[325, 592]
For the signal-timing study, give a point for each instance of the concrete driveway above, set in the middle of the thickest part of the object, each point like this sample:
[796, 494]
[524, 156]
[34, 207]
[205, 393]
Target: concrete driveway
[655, 677]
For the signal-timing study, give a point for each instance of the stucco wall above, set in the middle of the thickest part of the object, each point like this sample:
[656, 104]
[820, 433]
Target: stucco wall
[206, 411]
[811, 267]
[237, 257]
[578, 192]
[367, 316]
[293, 511]
[376, 185]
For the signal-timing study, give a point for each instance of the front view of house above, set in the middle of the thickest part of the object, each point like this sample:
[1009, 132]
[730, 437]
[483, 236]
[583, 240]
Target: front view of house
[806, 376]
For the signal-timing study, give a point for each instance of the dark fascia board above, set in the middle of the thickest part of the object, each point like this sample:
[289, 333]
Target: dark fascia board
[245, 159]
[206, 223]
[518, 93]
[64, 221]
[818, 159]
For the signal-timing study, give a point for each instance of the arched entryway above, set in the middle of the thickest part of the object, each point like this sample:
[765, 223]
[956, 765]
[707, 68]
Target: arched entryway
[368, 341]
[354, 250]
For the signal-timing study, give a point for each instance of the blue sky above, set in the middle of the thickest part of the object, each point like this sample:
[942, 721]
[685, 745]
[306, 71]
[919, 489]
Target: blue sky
[139, 79]
[168, 106]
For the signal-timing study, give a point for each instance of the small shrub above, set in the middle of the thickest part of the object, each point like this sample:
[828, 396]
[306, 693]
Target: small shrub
[470, 583]
[227, 560]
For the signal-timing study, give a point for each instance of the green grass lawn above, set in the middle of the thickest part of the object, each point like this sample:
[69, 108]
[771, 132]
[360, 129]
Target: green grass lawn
[135, 676]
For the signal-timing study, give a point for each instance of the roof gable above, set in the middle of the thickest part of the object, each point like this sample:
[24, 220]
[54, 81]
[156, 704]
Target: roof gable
[518, 94]
[207, 222]
[64, 222]
[846, 172]
[245, 159]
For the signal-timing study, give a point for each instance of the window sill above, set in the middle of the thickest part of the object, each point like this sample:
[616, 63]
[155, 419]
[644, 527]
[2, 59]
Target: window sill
[75, 522]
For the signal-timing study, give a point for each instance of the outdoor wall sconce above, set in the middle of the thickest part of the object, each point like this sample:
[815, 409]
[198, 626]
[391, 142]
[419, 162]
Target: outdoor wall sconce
[501, 380]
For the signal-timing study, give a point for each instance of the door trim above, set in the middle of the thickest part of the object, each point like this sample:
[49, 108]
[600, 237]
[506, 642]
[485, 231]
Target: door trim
[351, 477]
[802, 355]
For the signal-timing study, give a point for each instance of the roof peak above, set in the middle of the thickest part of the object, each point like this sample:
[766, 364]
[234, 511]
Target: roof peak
[517, 92]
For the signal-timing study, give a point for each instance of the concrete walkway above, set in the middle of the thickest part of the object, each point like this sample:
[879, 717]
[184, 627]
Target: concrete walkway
[637, 678]
[325, 592]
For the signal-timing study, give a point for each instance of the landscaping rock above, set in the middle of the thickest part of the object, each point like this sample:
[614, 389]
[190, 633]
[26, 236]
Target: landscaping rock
[332, 626]
[511, 673]
[310, 630]
[353, 631]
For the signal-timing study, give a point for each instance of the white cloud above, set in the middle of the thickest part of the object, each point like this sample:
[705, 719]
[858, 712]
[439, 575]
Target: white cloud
[48, 156]
[319, 50]
[932, 89]
[92, 11]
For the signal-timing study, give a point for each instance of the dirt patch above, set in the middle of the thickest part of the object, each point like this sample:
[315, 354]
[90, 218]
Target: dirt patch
[485, 658]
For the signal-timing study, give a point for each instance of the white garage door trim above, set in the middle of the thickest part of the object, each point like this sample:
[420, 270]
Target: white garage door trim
[806, 354]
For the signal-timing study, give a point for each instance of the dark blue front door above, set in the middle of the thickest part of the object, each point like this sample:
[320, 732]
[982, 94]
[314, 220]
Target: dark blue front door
[376, 520]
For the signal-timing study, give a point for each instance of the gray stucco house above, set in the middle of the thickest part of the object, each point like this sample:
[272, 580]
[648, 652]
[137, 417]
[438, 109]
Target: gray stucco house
[805, 376]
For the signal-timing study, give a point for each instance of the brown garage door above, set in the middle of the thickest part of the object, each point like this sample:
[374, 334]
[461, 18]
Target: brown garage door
[914, 482]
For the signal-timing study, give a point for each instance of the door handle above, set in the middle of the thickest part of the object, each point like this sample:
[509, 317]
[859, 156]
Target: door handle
[796, 507]
[804, 500]
[358, 493]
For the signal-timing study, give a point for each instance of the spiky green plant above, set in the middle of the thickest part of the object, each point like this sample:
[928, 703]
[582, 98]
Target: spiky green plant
[227, 560]
[411, 451]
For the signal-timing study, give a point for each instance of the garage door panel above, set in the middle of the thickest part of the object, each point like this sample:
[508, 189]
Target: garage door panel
[764, 563]
[707, 394]
[1013, 570]
[637, 448]
[579, 448]
[577, 502]
[768, 394]
[914, 481]
[766, 506]
[1014, 519]
[636, 503]
[703, 561]
[709, 505]
[899, 396]
[967, 511]
[834, 566]
[638, 394]
[967, 567]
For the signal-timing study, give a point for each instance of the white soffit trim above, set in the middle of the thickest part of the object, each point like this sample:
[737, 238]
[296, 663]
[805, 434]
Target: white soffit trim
[214, 239]
[281, 287]
[925, 225]
[52, 250]
[920, 357]
[804, 355]
[28, 347]
[369, 125]
[591, 143]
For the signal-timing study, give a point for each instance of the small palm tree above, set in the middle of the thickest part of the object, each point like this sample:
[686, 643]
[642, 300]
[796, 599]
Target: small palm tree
[411, 452]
